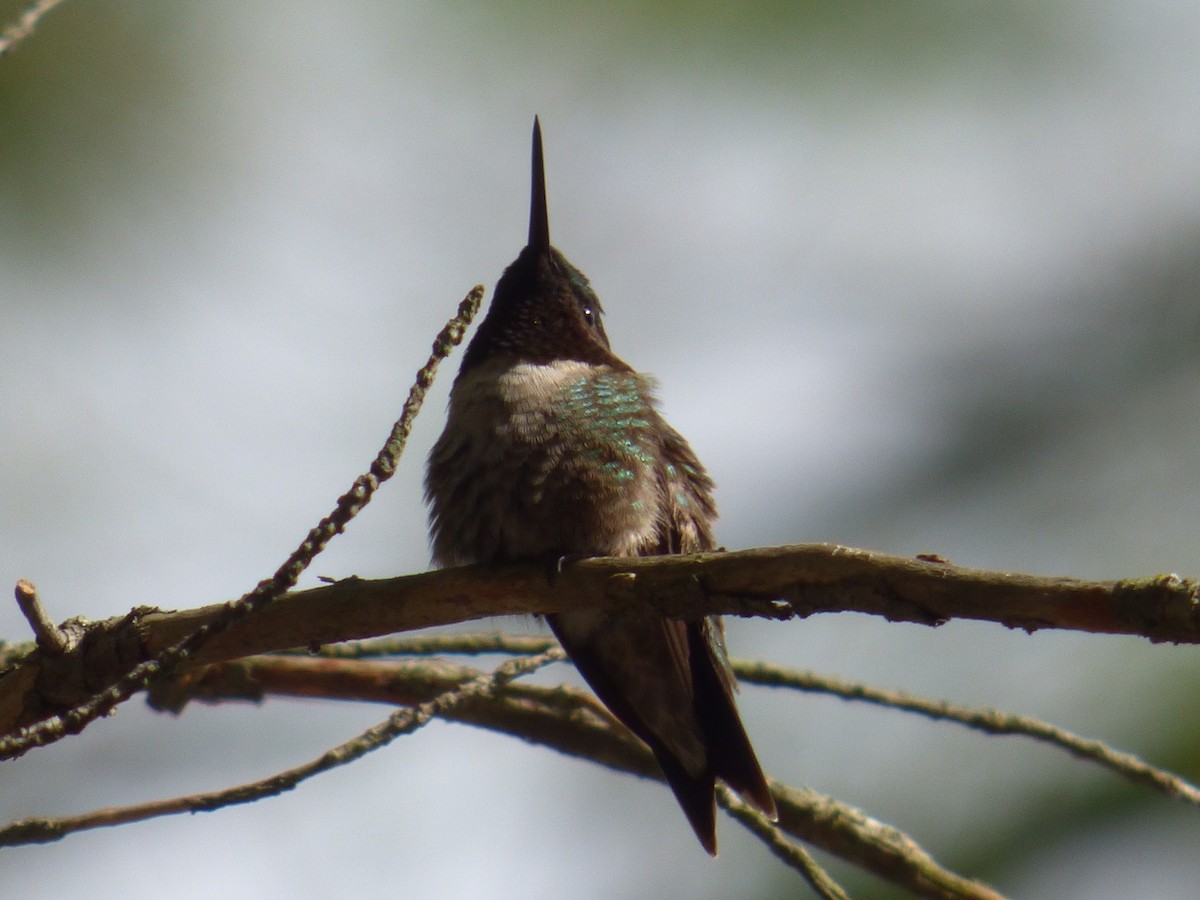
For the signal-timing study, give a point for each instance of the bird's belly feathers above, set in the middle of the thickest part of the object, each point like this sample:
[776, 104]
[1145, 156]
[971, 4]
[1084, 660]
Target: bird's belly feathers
[560, 458]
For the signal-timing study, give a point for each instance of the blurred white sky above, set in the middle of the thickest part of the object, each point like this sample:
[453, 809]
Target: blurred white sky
[835, 243]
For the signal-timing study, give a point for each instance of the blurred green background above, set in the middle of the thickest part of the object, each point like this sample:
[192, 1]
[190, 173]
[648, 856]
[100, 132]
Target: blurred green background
[919, 277]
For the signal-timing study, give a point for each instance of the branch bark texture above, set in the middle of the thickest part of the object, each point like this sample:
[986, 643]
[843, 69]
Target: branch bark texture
[779, 583]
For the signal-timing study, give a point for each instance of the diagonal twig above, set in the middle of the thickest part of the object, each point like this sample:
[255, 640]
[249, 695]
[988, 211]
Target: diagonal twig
[404, 721]
[572, 722]
[788, 851]
[267, 591]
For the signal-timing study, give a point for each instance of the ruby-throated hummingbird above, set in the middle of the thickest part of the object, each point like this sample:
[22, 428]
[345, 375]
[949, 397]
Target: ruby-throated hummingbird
[555, 448]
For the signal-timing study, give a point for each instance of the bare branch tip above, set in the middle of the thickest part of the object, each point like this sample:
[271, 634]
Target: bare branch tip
[50, 638]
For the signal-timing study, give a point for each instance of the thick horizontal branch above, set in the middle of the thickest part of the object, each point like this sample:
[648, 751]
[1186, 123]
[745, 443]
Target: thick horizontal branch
[779, 583]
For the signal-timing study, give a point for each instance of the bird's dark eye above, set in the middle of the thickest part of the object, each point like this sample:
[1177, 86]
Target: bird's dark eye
[588, 315]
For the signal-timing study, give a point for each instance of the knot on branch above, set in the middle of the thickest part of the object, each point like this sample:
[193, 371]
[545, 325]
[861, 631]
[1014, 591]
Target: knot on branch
[96, 655]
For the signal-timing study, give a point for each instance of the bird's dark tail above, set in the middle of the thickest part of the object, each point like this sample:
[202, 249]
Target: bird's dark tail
[695, 746]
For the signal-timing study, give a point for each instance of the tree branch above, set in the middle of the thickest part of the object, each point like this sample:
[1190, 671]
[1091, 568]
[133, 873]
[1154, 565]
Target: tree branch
[403, 721]
[567, 720]
[788, 851]
[573, 722]
[777, 583]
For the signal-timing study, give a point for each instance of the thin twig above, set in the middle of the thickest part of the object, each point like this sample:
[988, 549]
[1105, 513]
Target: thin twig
[403, 721]
[49, 636]
[789, 852]
[377, 681]
[991, 721]
[572, 722]
[25, 26]
[428, 644]
[562, 718]
[268, 590]
[872, 845]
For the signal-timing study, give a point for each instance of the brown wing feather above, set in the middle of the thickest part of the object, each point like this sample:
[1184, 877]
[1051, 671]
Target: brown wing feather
[730, 754]
[703, 739]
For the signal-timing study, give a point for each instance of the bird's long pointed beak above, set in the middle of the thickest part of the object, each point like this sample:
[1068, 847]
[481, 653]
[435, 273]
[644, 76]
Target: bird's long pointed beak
[539, 218]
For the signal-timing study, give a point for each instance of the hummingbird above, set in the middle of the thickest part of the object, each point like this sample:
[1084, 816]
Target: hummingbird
[554, 448]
